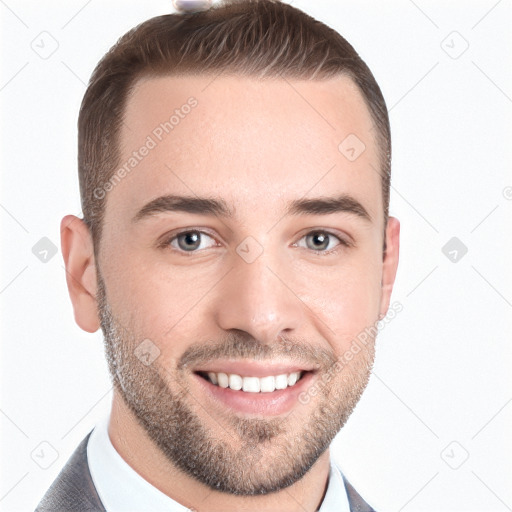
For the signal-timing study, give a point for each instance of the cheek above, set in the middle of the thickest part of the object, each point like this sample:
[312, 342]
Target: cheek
[348, 301]
[155, 300]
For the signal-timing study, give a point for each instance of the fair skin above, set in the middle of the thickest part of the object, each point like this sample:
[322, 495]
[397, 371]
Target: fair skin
[256, 145]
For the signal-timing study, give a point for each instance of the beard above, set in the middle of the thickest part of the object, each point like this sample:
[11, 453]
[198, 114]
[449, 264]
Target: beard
[238, 455]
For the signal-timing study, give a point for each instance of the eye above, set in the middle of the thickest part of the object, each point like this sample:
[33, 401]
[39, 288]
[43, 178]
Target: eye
[322, 242]
[190, 241]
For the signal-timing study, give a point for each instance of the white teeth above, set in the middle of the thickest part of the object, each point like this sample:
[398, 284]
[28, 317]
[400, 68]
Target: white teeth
[292, 379]
[267, 384]
[251, 384]
[235, 381]
[282, 381]
[223, 380]
[254, 384]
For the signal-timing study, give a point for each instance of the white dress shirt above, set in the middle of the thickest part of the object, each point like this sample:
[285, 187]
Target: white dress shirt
[122, 489]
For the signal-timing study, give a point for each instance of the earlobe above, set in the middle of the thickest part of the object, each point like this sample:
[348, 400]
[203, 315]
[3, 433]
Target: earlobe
[78, 252]
[390, 263]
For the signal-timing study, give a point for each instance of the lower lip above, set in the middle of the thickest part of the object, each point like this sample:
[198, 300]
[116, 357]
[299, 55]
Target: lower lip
[273, 403]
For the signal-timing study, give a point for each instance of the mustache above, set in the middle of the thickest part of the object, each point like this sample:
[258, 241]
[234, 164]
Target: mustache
[241, 345]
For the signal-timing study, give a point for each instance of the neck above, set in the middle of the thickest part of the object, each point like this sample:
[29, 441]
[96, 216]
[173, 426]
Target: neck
[134, 445]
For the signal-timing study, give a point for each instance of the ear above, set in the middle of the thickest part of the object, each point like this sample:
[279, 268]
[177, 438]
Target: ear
[78, 253]
[390, 263]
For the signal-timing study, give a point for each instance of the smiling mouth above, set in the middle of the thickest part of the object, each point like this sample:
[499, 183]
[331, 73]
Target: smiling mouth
[249, 384]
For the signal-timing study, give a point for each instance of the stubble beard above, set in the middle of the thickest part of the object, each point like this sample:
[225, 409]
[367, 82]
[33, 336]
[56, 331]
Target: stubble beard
[239, 456]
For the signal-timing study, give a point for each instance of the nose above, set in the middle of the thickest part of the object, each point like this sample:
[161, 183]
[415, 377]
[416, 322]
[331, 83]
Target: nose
[258, 298]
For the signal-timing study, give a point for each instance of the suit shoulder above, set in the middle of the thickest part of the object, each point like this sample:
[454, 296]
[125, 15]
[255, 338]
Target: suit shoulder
[357, 503]
[73, 490]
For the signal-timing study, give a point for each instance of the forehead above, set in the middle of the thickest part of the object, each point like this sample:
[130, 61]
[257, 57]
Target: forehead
[258, 143]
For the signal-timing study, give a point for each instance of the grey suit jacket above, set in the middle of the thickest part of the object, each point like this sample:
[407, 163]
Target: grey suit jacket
[74, 491]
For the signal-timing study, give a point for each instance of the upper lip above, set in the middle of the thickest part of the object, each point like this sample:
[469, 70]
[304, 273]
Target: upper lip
[252, 368]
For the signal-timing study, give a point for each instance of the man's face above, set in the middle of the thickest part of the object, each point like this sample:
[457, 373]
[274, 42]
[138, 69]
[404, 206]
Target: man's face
[248, 286]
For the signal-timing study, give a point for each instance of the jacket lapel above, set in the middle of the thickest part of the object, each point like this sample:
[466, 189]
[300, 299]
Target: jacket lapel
[73, 490]
[357, 504]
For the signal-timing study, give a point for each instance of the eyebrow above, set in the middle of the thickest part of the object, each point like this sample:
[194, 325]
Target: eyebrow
[186, 204]
[218, 207]
[326, 205]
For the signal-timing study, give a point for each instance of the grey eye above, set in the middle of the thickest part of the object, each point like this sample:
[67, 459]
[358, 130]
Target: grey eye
[320, 241]
[190, 241]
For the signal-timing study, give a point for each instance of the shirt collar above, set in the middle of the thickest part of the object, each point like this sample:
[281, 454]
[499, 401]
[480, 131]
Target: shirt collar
[122, 489]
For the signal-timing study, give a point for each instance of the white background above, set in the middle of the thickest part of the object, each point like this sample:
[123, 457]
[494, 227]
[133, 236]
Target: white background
[442, 373]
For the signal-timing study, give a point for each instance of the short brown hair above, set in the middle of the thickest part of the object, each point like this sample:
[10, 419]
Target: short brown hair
[260, 38]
